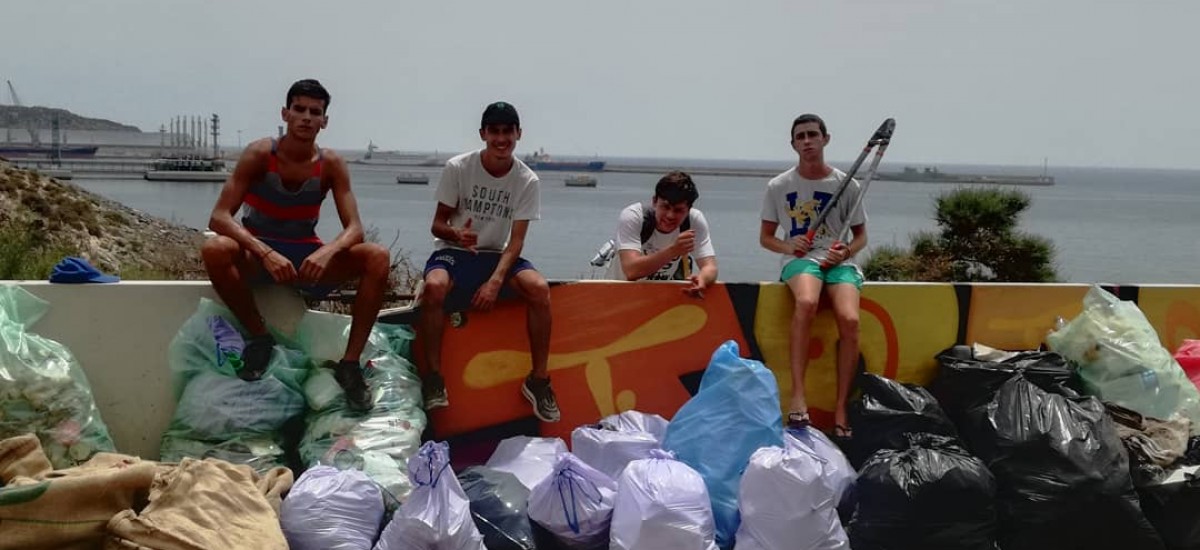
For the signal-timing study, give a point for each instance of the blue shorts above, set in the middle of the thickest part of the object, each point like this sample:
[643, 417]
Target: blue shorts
[468, 271]
[296, 253]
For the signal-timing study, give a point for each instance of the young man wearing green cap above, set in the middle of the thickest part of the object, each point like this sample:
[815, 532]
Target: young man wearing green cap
[485, 201]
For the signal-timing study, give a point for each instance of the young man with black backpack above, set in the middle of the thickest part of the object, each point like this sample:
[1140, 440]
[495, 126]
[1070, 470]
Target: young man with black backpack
[667, 241]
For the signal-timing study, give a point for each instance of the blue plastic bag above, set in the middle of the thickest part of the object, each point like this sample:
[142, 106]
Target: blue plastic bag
[735, 413]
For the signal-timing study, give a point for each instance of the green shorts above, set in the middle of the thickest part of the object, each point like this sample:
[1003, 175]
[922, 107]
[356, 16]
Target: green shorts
[842, 273]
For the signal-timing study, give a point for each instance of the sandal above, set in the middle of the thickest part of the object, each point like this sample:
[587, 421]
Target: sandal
[798, 419]
[842, 432]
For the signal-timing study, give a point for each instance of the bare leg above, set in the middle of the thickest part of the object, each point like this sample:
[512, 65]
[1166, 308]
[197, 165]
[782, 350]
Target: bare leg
[536, 292]
[806, 293]
[845, 298]
[433, 317]
[369, 263]
[228, 270]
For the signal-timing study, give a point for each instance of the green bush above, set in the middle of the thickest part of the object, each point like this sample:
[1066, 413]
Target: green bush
[977, 240]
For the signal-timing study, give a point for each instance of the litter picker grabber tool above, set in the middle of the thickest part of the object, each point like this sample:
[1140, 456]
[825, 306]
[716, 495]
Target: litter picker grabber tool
[883, 145]
[881, 138]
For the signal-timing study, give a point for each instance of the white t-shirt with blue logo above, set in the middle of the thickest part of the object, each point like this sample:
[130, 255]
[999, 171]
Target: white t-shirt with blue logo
[794, 202]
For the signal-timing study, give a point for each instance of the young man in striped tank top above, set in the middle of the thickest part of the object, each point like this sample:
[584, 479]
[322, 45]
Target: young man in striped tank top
[486, 199]
[280, 185]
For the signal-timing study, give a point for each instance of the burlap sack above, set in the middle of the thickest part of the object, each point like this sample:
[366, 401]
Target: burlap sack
[206, 505]
[64, 509]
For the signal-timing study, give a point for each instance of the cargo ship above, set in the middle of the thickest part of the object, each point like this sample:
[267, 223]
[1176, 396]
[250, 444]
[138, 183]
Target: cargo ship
[25, 150]
[933, 175]
[541, 161]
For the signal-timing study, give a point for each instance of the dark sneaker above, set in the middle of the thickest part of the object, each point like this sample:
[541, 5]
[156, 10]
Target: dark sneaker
[434, 388]
[256, 356]
[350, 377]
[541, 396]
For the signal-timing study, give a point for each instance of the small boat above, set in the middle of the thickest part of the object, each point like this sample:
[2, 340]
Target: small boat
[412, 178]
[581, 180]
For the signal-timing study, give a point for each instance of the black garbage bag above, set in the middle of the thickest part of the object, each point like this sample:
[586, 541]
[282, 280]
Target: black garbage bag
[928, 495]
[1061, 470]
[1173, 509]
[886, 411]
[498, 503]
[964, 383]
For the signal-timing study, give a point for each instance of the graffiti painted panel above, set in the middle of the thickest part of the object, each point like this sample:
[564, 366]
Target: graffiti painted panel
[615, 347]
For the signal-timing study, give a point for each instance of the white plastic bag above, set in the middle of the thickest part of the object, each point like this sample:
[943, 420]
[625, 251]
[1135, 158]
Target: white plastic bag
[636, 421]
[610, 451]
[837, 467]
[328, 509]
[575, 503]
[437, 514]
[531, 459]
[788, 501]
[662, 503]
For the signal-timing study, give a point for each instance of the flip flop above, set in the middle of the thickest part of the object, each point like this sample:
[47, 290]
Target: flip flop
[843, 432]
[798, 419]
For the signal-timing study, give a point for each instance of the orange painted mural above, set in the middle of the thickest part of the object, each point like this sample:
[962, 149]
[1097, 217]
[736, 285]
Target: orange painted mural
[618, 346]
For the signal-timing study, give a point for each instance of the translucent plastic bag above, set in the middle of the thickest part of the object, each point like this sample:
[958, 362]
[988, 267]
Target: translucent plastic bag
[609, 451]
[437, 515]
[328, 509]
[531, 459]
[218, 414]
[575, 504]
[661, 503]
[381, 441]
[788, 500]
[735, 413]
[43, 390]
[1122, 360]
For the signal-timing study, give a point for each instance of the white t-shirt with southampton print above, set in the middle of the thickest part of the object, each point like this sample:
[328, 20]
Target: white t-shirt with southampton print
[629, 237]
[491, 203]
[794, 202]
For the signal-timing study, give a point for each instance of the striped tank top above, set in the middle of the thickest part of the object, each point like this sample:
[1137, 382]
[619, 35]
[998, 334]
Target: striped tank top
[270, 211]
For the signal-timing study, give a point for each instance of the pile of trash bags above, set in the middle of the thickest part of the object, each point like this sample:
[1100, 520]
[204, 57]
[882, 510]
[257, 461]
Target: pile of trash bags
[917, 487]
[1062, 473]
[43, 390]
[296, 414]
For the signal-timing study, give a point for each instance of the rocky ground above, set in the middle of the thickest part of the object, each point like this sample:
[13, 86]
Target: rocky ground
[43, 219]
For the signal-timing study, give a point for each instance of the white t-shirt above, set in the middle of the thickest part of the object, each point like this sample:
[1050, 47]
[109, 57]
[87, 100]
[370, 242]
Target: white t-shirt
[795, 202]
[490, 203]
[629, 237]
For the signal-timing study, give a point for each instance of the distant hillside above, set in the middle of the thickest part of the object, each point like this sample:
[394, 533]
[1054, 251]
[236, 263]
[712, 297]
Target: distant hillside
[41, 117]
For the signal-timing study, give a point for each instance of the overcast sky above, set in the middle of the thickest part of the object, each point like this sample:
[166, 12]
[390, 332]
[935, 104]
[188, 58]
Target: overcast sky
[1082, 82]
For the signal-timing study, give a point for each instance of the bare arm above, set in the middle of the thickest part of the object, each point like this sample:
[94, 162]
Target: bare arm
[635, 265]
[860, 239]
[347, 205]
[516, 242]
[708, 269]
[250, 166]
[768, 240]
